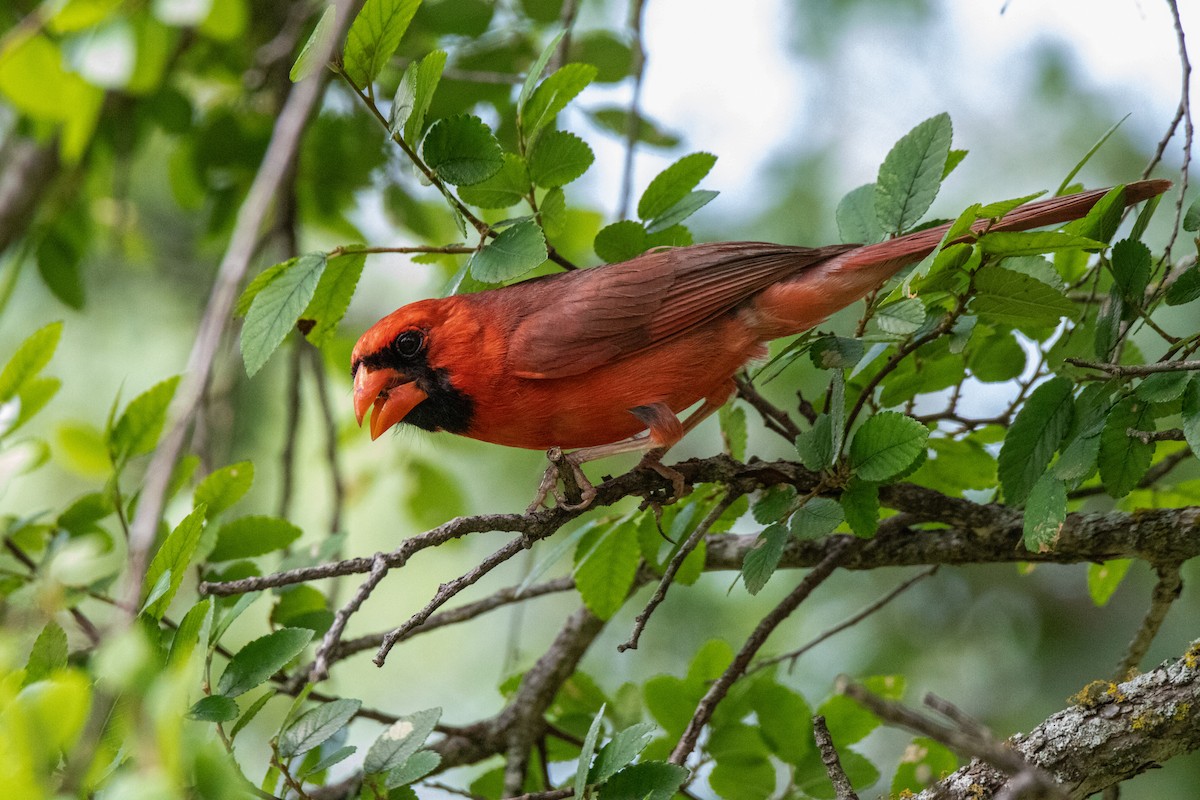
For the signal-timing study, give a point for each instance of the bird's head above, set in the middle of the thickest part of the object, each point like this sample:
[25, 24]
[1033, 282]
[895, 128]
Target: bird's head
[396, 370]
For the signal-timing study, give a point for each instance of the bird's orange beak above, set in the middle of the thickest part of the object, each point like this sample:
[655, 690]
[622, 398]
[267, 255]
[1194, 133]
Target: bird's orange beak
[388, 392]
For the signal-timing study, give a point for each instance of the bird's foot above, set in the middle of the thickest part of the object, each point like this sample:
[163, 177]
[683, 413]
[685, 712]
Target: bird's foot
[679, 488]
[578, 492]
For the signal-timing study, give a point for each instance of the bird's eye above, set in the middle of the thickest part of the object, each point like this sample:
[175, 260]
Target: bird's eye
[408, 344]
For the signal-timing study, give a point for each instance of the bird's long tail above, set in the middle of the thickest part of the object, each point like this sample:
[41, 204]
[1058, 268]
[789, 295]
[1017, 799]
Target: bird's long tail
[806, 299]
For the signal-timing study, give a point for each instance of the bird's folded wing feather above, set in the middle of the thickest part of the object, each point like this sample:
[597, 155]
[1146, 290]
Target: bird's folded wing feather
[595, 316]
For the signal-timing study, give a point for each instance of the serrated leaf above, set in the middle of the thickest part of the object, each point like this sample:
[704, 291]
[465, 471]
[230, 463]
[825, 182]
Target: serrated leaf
[251, 712]
[911, 174]
[621, 241]
[139, 426]
[857, 221]
[886, 445]
[403, 738]
[620, 751]
[172, 560]
[257, 283]
[418, 765]
[48, 655]
[902, 318]
[815, 446]
[1005, 297]
[605, 572]
[650, 780]
[552, 96]
[860, 505]
[214, 708]
[223, 487]
[277, 306]
[836, 352]
[673, 184]
[536, 70]
[1104, 578]
[1045, 512]
[1190, 415]
[332, 297]
[817, 518]
[374, 36]
[30, 358]
[1033, 437]
[1131, 269]
[414, 94]
[518, 249]
[690, 204]
[507, 187]
[1191, 219]
[732, 420]
[1123, 458]
[1185, 288]
[552, 213]
[1163, 387]
[248, 537]
[316, 725]
[774, 504]
[557, 158]
[1003, 244]
[306, 63]
[336, 757]
[762, 559]
[586, 752]
[260, 659]
[462, 150]
[194, 625]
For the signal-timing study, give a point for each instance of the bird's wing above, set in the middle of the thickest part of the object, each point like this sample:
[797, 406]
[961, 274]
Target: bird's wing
[591, 317]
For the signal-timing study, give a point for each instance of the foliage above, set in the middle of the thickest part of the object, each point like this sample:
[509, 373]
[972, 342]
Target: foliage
[1100, 399]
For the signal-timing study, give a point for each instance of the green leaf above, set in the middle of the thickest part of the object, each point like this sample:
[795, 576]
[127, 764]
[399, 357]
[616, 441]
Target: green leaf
[1124, 459]
[690, 204]
[462, 150]
[336, 757]
[306, 63]
[774, 504]
[30, 359]
[924, 762]
[223, 487]
[316, 725]
[557, 158]
[552, 96]
[621, 241]
[247, 537]
[192, 628]
[1045, 512]
[35, 393]
[48, 655]
[374, 36]
[255, 663]
[784, 720]
[1191, 219]
[586, 752]
[762, 559]
[1131, 270]
[139, 426]
[536, 70]
[673, 184]
[1185, 288]
[1062, 187]
[1163, 387]
[58, 257]
[860, 504]
[171, 561]
[732, 420]
[848, 722]
[1005, 297]
[417, 766]
[1108, 324]
[902, 318]
[553, 213]
[403, 738]
[1190, 414]
[518, 249]
[604, 572]
[214, 708]
[817, 518]
[332, 297]
[414, 94]
[886, 445]
[856, 219]
[257, 283]
[250, 713]
[620, 751]
[997, 358]
[507, 187]
[815, 446]
[911, 174]
[1033, 437]
[1003, 244]
[837, 352]
[1104, 578]
[277, 306]
[302, 607]
[650, 780]
[617, 120]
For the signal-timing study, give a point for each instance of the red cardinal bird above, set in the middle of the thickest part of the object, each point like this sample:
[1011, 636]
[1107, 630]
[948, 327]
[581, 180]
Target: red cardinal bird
[605, 358]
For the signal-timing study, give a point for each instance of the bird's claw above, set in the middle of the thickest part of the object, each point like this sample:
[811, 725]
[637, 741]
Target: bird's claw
[575, 484]
[679, 488]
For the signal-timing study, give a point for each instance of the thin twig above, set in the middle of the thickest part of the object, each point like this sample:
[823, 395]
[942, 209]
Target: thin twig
[320, 669]
[720, 688]
[775, 418]
[1166, 592]
[291, 430]
[829, 757]
[849, 622]
[1135, 370]
[672, 569]
[1146, 437]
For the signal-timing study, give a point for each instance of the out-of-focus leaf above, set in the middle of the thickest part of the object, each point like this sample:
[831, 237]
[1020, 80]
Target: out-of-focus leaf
[170, 563]
[247, 537]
